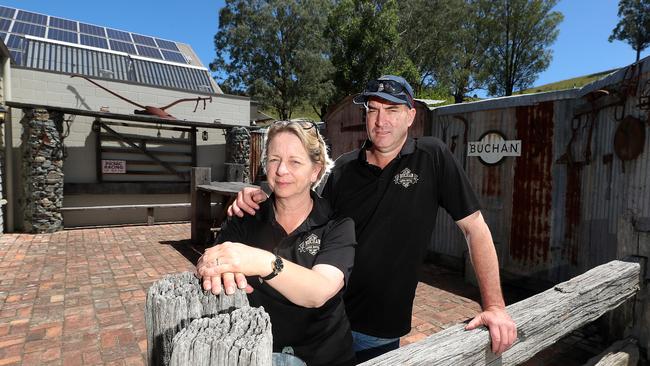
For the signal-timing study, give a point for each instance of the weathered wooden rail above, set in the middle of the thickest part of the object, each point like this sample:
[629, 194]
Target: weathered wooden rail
[541, 321]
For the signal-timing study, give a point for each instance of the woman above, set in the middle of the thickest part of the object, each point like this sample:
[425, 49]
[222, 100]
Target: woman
[299, 255]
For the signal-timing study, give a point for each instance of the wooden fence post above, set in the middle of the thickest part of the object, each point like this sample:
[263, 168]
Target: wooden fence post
[200, 220]
[172, 303]
[242, 337]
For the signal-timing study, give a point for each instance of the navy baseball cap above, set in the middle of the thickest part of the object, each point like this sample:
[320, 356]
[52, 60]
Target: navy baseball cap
[388, 87]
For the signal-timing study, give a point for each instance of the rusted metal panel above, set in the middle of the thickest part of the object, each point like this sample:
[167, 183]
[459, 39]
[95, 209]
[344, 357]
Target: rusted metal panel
[556, 210]
[530, 228]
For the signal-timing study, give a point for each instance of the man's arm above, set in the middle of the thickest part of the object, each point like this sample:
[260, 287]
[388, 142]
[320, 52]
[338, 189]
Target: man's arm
[503, 330]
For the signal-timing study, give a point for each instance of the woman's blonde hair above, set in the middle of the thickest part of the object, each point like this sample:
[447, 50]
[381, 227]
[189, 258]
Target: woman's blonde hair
[310, 138]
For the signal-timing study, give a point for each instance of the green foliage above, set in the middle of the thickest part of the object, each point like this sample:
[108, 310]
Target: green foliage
[273, 51]
[576, 82]
[365, 44]
[524, 30]
[634, 24]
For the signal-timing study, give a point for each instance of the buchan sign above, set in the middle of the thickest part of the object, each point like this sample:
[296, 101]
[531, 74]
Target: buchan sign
[492, 148]
[114, 166]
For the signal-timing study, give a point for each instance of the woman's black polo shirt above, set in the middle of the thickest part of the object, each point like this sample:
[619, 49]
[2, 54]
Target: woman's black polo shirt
[319, 336]
[394, 211]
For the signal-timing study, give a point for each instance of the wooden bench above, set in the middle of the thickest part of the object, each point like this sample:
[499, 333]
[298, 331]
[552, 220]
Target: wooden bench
[149, 207]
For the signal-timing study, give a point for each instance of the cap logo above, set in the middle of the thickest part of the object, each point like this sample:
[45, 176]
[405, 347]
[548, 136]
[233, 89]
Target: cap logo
[380, 87]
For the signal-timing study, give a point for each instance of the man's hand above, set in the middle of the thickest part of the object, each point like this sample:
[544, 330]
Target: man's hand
[503, 331]
[247, 201]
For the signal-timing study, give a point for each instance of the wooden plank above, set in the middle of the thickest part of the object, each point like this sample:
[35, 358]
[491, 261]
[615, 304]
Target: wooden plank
[622, 353]
[145, 151]
[160, 140]
[200, 219]
[193, 144]
[140, 125]
[122, 207]
[145, 172]
[541, 321]
[150, 217]
[122, 187]
[225, 188]
[98, 151]
[150, 162]
[129, 150]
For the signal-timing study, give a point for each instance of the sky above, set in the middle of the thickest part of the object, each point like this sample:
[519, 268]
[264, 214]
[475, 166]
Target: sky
[580, 49]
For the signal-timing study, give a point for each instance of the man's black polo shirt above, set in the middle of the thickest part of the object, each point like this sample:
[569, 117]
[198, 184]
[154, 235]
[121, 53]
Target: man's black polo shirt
[319, 336]
[394, 211]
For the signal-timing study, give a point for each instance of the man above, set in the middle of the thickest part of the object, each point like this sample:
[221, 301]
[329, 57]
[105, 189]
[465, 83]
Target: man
[392, 188]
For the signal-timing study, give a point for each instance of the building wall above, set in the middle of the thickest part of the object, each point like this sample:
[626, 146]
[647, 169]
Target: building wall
[556, 210]
[53, 89]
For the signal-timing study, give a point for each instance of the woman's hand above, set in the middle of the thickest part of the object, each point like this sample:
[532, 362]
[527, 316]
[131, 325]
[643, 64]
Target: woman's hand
[224, 259]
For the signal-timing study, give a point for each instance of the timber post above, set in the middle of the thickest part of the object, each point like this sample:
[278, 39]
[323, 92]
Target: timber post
[173, 302]
[200, 206]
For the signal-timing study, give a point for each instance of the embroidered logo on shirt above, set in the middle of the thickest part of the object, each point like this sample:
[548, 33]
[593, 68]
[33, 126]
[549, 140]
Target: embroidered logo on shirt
[310, 245]
[406, 178]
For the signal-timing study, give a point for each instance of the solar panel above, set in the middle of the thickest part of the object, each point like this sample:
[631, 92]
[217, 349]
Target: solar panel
[26, 28]
[93, 41]
[122, 47]
[61, 35]
[147, 41]
[3, 35]
[63, 24]
[15, 42]
[92, 29]
[118, 35]
[149, 52]
[167, 44]
[5, 24]
[7, 12]
[17, 55]
[32, 17]
[173, 56]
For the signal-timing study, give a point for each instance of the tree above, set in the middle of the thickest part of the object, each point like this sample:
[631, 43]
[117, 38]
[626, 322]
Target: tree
[634, 24]
[365, 44]
[525, 29]
[427, 32]
[274, 51]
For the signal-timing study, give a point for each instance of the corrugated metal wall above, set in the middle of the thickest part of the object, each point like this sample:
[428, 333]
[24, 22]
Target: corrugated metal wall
[61, 58]
[554, 211]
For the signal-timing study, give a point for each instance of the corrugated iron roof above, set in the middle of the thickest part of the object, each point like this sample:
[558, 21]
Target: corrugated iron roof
[529, 99]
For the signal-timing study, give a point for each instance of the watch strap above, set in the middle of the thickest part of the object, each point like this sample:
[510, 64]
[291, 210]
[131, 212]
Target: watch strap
[277, 266]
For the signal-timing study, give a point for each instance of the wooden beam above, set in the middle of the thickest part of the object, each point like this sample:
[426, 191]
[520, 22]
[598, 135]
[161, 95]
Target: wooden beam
[201, 218]
[622, 353]
[125, 117]
[160, 140]
[541, 321]
[127, 150]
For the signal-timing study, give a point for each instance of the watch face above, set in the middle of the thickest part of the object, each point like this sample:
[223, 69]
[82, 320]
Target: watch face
[279, 264]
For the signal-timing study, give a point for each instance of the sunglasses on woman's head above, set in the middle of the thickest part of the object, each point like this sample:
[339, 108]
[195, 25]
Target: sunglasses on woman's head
[306, 125]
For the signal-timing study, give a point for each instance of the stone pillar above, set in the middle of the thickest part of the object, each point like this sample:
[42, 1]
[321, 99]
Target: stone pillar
[238, 150]
[42, 171]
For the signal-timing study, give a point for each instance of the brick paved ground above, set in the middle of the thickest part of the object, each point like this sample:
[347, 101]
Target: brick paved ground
[77, 297]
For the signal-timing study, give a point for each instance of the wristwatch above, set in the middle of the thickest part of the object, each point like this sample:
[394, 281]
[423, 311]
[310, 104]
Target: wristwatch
[277, 265]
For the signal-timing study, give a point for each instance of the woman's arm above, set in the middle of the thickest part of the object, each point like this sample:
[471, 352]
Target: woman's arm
[305, 287]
